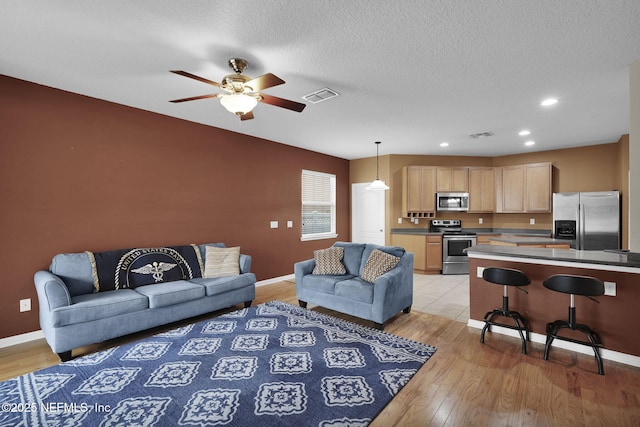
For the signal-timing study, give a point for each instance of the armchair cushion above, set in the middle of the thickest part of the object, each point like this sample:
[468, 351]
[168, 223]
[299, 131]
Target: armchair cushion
[329, 261]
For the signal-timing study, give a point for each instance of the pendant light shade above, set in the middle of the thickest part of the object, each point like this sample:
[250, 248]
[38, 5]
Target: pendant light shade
[377, 184]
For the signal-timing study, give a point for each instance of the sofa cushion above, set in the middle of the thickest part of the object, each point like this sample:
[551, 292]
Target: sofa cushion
[170, 293]
[329, 261]
[370, 247]
[76, 272]
[220, 285]
[95, 306]
[355, 289]
[377, 264]
[324, 284]
[203, 250]
[222, 262]
[352, 259]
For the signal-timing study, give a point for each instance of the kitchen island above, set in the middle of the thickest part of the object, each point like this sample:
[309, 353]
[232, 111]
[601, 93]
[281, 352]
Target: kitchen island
[616, 318]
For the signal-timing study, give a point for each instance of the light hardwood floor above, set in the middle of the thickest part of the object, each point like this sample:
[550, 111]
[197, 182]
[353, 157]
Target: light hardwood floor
[465, 383]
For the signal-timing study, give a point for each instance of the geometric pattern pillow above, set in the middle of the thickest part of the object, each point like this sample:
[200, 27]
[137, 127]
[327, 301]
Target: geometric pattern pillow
[378, 263]
[221, 262]
[329, 261]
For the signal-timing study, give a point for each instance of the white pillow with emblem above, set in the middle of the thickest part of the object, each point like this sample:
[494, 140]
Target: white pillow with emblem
[221, 262]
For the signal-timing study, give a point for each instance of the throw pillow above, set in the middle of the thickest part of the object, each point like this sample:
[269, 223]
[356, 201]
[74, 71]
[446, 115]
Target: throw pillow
[378, 263]
[329, 261]
[220, 262]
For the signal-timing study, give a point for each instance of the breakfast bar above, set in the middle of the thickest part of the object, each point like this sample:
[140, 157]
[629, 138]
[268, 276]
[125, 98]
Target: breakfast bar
[616, 318]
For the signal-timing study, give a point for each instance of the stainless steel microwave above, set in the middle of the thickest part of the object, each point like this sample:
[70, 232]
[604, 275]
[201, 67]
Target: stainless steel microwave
[455, 202]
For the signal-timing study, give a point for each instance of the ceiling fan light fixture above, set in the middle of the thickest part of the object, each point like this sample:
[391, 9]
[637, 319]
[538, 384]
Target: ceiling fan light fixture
[238, 103]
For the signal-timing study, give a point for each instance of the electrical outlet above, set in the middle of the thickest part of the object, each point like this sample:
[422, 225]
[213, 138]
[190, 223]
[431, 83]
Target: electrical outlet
[274, 224]
[289, 224]
[532, 221]
[610, 289]
[25, 305]
[480, 271]
[399, 220]
[480, 220]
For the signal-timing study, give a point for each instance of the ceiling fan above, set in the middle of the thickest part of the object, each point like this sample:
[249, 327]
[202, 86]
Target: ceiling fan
[242, 93]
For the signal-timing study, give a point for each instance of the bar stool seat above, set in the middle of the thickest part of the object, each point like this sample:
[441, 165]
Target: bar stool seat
[574, 285]
[506, 277]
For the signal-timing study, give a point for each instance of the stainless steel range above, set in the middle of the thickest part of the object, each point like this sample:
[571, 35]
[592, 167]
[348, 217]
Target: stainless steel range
[454, 242]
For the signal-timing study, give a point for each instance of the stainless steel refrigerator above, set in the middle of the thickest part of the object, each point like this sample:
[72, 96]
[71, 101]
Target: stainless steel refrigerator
[591, 220]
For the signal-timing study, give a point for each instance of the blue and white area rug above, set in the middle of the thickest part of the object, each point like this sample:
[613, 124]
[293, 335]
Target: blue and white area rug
[274, 364]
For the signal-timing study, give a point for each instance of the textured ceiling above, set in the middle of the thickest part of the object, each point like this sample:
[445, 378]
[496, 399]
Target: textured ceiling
[411, 74]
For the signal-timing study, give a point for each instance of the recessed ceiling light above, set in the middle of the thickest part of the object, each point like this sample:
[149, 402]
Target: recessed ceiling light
[444, 144]
[524, 132]
[529, 143]
[549, 101]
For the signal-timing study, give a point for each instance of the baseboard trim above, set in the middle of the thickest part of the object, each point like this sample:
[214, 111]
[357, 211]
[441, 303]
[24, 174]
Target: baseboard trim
[21, 339]
[36, 335]
[615, 356]
[275, 280]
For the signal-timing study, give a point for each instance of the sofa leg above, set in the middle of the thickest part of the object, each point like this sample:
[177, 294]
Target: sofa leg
[379, 326]
[65, 356]
[302, 304]
[407, 310]
[247, 304]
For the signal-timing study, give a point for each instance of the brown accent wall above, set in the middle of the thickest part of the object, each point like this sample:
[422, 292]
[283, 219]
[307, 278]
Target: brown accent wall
[77, 174]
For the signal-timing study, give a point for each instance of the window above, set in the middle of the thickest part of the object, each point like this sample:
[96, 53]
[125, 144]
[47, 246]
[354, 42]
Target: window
[318, 205]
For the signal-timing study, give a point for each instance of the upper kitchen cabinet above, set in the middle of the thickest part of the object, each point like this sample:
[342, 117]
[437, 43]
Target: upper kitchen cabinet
[482, 189]
[419, 191]
[523, 188]
[452, 179]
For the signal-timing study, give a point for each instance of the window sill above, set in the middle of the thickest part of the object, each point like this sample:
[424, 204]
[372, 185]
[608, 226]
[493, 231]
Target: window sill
[318, 236]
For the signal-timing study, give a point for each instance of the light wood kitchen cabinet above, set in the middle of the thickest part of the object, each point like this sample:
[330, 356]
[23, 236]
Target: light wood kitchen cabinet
[427, 251]
[418, 191]
[523, 188]
[482, 189]
[434, 254]
[452, 179]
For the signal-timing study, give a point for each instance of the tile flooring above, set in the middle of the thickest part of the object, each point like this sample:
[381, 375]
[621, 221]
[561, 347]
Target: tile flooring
[442, 295]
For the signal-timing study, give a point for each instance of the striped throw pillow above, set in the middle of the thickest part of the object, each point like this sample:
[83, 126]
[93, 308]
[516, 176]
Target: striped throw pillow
[378, 263]
[329, 261]
[220, 262]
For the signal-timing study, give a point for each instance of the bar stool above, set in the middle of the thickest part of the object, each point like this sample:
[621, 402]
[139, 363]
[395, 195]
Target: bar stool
[506, 277]
[574, 285]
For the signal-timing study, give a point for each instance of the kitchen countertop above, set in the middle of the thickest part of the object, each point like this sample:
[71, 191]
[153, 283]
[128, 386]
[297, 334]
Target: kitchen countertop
[603, 260]
[478, 231]
[528, 240]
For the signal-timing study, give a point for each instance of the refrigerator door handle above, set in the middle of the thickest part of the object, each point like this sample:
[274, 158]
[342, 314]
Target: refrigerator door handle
[581, 226]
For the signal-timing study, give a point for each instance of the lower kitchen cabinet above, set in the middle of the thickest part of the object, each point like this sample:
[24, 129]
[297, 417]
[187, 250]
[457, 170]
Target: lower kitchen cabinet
[427, 251]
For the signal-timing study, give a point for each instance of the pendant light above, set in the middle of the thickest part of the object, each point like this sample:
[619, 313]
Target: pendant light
[378, 184]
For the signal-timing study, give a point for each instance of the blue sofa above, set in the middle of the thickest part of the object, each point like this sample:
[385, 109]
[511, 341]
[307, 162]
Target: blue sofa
[349, 293]
[73, 314]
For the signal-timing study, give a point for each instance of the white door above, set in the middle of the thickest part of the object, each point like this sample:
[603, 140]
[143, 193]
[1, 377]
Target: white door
[367, 214]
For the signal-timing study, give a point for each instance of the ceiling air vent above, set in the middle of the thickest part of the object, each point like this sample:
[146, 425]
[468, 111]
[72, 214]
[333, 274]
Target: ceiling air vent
[320, 95]
[481, 134]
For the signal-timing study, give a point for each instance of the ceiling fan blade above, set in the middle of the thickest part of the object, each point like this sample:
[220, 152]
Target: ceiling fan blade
[281, 102]
[247, 116]
[193, 98]
[193, 76]
[264, 81]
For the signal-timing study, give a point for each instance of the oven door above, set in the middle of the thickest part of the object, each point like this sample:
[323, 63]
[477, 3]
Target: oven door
[454, 259]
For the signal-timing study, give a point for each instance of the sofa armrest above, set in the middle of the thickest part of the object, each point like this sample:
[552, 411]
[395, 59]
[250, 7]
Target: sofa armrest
[245, 263]
[52, 291]
[301, 269]
[396, 284]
